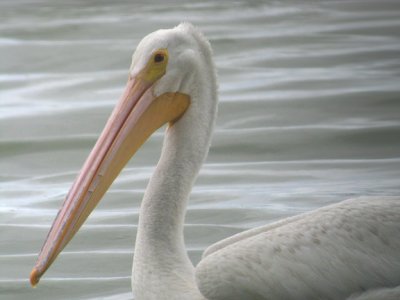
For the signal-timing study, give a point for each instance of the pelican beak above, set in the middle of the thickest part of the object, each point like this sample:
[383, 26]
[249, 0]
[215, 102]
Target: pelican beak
[137, 115]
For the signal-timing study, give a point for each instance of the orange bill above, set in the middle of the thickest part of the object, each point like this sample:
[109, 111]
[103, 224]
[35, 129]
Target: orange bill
[137, 115]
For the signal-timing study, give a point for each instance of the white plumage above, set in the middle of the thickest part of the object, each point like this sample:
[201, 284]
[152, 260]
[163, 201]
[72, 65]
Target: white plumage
[349, 250]
[329, 253]
[332, 253]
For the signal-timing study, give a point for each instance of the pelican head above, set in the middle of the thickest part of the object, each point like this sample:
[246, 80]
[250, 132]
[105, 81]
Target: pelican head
[168, 68]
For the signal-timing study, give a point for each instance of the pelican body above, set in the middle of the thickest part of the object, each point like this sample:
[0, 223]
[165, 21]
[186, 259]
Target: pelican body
[350, 250]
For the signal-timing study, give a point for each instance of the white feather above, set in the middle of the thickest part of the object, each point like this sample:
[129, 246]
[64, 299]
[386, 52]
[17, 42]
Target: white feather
[329, 253]
[345, 250]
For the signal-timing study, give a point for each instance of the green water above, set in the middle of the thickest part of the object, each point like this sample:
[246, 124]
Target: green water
[309, 115]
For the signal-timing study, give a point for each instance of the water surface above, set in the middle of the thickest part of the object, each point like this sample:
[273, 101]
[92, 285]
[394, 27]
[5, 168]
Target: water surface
[309, 115]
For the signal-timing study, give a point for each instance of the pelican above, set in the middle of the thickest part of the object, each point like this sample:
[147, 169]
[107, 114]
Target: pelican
[349, 250]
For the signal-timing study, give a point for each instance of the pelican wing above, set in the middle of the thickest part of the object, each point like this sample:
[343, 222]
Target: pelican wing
[330, 253]
[378, 293]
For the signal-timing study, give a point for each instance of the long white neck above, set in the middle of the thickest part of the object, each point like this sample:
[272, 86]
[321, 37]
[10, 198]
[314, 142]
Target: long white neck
[161, 267]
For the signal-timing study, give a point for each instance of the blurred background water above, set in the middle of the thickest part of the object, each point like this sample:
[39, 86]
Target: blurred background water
[309, 115]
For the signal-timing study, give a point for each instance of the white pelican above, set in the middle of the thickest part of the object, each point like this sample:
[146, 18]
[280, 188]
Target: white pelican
[350, 250]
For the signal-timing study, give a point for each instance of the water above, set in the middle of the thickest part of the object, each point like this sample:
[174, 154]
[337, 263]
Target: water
[309, 115]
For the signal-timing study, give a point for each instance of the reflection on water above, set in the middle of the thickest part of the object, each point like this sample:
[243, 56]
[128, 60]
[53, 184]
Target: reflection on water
[309, 115]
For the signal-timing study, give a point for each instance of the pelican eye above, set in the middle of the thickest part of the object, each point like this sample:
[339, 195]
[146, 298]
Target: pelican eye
[156, 66]
[159, 57]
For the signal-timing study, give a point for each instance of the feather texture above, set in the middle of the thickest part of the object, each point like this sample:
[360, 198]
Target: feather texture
[329, 253]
